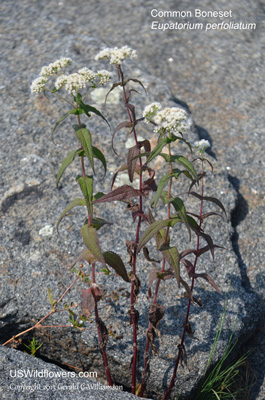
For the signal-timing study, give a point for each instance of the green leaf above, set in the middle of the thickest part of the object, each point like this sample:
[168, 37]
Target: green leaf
[90, 238]
[100, 156]
[87, 256]
[96, 154]
[84, 136]
[114, 261]
[50, 296]
[211, 199]
[172, 256]
[163, 181]
[180, 208]
[98, 196]
[154, 228]
[75, 111]
[99, 222]
[87, 109]
[77, 126]
[74, 203]
[86, 185]
[192, 222]
[67, 161]
[181, 160]
[162, 143]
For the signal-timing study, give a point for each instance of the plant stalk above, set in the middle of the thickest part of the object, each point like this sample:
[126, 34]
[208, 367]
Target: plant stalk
[132, 309]
[146, 357]
[181, 346]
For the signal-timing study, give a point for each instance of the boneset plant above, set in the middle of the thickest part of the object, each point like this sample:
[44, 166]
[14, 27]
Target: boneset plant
[170, 125]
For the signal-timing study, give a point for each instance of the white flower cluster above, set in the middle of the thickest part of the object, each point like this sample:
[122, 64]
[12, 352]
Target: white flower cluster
[150, 111]
[73, 82]
[79, 80]
[201, 145]
[168, 120]
[116, 55]
[56, 67]
[38, 85]
[104, 76]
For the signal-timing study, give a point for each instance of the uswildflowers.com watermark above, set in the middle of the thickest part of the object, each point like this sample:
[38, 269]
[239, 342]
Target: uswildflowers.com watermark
[44, 386]
[45, 373]
[74, 387]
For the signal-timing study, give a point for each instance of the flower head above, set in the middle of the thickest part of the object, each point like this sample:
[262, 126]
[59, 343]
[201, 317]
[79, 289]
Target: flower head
[116, 55]
[150, 111]
[55, 67]
[87, 74]
[38, 85]
[201, 145]
[72, 83]
[104, 76]
[171, 120]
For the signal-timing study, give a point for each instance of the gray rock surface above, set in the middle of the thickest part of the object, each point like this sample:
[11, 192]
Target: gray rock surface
[26, 377]
[219, 76]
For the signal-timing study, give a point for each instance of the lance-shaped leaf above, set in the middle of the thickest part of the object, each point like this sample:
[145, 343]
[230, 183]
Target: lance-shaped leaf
[87, 301]
[199, 252]
[124, 124]
[131, 161]
[67, 161]
[172, 256]
[180, 208]
[104, 333]
[154, 228]
[124, 192]
[99, 222]
[211, 199]
[87, 109]
[135, 80]
[163, 181]
[156, 314]
[146, 144]
[114, 261]
[84, 136]
[132, 109]
[112, 88]
[86, 185]
[206, 215]
[74, 203]
[75, 111]
[207, 278]
[205, 237]
[87, 256]
[121, 169]
[157, 150]
[161, 239]
[90, 238]
[183, 161]
[152, 277]
[100, 156]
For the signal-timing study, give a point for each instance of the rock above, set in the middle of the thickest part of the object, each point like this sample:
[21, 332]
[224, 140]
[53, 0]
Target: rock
[226, 105]
[24, 376]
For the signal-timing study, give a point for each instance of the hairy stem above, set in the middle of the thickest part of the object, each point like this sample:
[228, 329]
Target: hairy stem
[146, 352]
[186, 323]
[132, 309]
[84, 173]
[100, 339]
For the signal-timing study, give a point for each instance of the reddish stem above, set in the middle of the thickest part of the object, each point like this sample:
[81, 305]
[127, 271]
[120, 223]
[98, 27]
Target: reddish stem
[181, 346]
[100, 340]
[132, 309]
[158, 281]
[93, 275]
